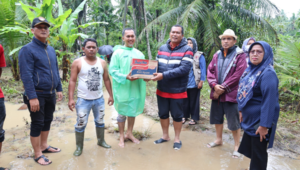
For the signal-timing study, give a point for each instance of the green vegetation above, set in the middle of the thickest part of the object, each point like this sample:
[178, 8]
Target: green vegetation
[287, 64]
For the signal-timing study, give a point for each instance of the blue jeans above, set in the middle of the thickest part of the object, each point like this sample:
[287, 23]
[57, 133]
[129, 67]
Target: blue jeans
[83, 109]
[2, 118]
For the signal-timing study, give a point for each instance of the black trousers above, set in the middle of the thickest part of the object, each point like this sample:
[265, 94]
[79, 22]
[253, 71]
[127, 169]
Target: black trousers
[41, 120]
[192, 104]
[252, 148]
[2, 118]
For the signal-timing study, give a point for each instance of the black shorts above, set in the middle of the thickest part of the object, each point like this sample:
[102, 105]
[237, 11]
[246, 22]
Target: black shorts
[41, 120]
[229, 109]
[167, 105]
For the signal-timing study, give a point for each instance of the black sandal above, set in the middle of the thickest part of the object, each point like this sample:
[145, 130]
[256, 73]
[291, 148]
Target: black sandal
[45, 159]
[161, 140]
[192, 121]
[177, 146]
[47, 150]
[183, 120]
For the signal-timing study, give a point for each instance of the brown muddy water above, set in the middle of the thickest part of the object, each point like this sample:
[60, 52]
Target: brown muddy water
[146, 155]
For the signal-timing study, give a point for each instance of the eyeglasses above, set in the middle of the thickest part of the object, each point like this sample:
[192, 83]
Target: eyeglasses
[40, 28]
[258, 52]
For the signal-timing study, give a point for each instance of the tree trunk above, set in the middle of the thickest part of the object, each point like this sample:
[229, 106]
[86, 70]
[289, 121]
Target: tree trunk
[133, 16]
[134, 19]
[107, 35]
[147, 36]
[65, 63]
[125, 13]
[163, 34]
[157, 31]
[15, 68]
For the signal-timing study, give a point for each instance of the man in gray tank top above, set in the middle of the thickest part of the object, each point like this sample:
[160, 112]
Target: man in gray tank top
[90, 71]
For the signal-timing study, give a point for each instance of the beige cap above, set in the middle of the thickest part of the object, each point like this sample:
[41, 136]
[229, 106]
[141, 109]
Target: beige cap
[228, 32]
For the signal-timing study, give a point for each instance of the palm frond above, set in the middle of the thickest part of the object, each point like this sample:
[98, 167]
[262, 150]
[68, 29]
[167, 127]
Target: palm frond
[211, 34]
[166, 17]
[261, 7]
[193, 12]
[251, 20]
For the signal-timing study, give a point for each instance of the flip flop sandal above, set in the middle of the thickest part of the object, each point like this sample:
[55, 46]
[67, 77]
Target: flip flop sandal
[183, 121]
[236, 154]
[213, 144]
[161, 140]
[192, 121]
[177, 146]
[46, 160]
[48, 151]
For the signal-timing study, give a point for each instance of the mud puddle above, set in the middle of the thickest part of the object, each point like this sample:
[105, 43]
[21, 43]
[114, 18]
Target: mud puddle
[15, 118]
[146, 155]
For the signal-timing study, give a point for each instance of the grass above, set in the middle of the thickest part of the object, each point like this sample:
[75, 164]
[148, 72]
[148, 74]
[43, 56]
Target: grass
[139, 134]
[142, 135]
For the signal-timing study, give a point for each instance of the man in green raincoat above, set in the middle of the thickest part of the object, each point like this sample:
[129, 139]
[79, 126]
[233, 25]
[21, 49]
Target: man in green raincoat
[129, 92]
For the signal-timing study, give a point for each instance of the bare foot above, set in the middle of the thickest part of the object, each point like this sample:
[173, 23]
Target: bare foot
[132, 138]
[121, 143]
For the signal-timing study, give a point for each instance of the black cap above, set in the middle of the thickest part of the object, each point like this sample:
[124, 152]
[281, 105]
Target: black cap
[38, 21]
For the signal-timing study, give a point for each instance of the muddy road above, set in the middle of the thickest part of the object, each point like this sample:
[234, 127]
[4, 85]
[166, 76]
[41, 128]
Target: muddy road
[194, 154]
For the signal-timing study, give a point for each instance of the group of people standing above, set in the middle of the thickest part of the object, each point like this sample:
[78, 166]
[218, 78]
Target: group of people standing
[247, 96]
[244, 88]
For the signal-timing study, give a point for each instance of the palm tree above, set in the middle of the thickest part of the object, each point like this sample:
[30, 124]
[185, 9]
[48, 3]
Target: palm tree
[210, 18]
[139, 7]
[125, 14]
[147, 35]
[287, 63]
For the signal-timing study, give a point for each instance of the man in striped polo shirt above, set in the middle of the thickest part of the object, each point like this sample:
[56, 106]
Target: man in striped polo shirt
[174, 63]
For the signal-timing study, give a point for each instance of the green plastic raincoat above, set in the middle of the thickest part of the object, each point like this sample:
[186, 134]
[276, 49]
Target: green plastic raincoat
[129, 96]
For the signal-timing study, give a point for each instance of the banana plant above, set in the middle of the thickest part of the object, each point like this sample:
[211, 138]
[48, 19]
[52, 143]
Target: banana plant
[63, 28]
[10, 35]
[68, 33]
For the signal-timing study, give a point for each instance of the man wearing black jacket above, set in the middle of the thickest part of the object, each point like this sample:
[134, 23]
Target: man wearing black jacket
[40, 76]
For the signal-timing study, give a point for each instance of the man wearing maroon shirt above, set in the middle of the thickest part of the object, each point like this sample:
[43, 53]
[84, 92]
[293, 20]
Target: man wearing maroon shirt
[2, 106]
[174, 64]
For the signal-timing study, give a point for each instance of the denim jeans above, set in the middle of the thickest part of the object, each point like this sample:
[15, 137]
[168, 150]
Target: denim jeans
[2, 118]
[83, 109]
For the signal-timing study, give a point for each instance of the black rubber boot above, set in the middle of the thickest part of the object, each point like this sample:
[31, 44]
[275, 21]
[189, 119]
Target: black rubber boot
[79, 143]
[100, 137]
